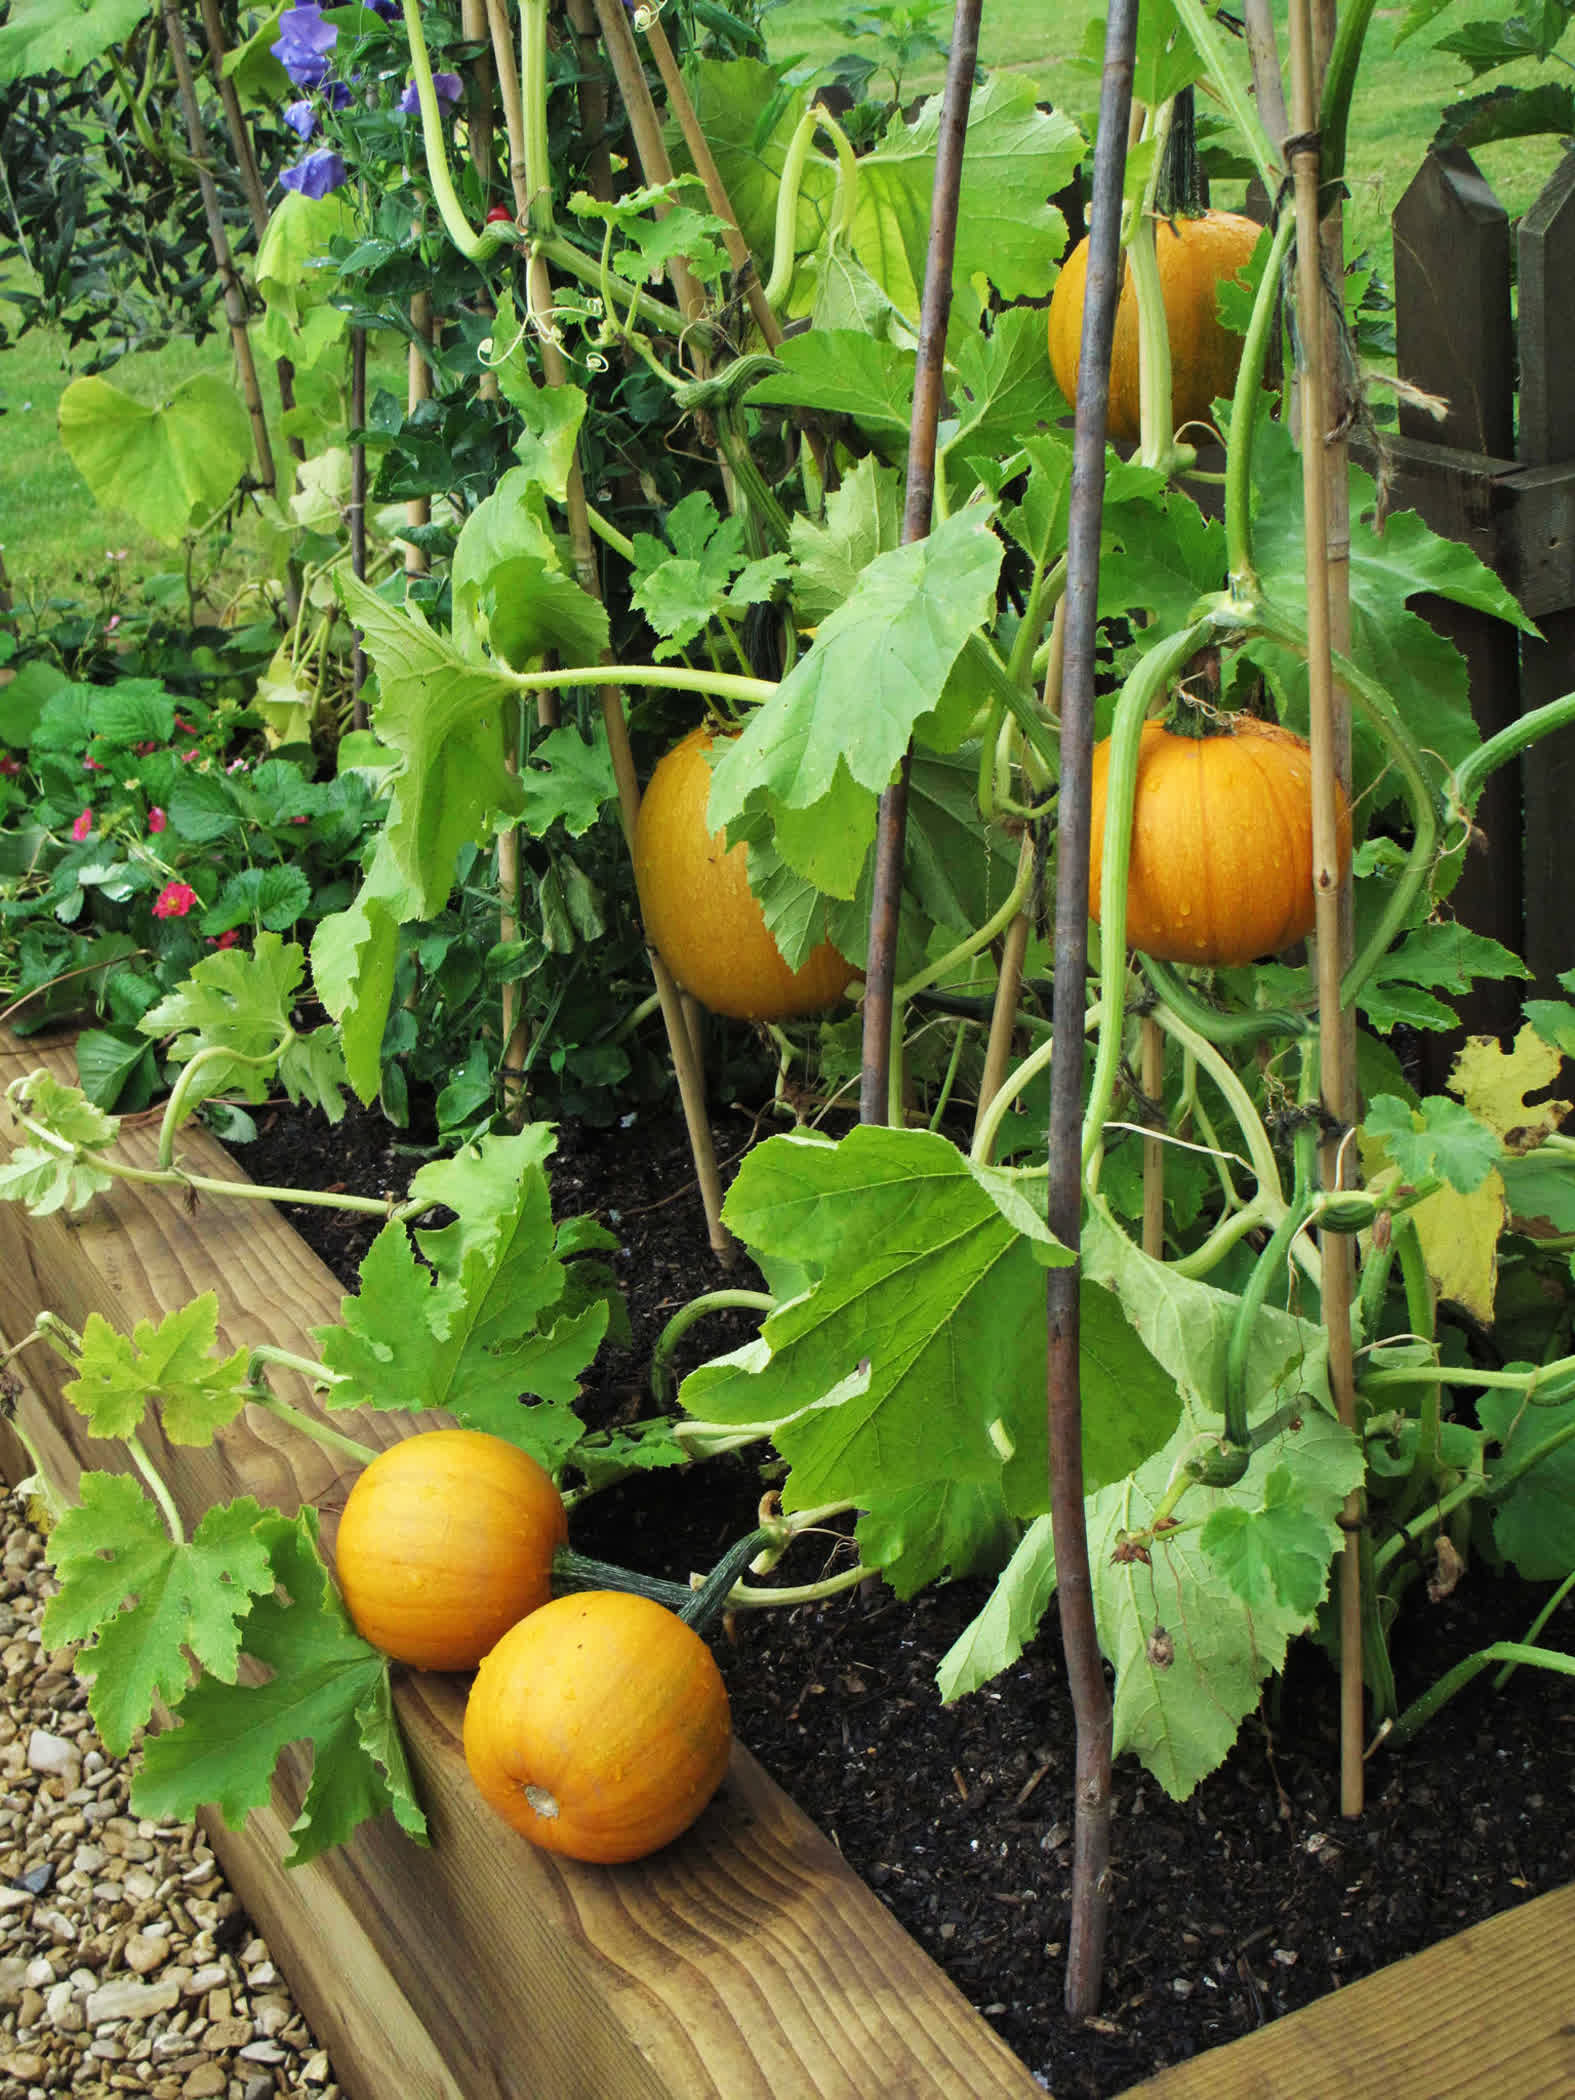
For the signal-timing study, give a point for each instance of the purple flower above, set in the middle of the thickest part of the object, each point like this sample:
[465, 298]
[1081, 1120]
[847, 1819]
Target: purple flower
[301, 118]
[388, 9]
[337, 95]
[449, 89]
[305, 41]
[315, 176]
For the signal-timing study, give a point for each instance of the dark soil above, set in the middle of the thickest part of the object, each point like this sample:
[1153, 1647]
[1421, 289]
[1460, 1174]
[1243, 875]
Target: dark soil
[1242, 1903]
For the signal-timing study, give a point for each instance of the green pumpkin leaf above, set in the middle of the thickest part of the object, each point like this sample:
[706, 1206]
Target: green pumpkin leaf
[146, 1605]
[119, 1374]
[444, 715]
[819, 768]
[326, 1687]
[917, 1353]
[1531, 1523]
[171, 466]
[64, 36]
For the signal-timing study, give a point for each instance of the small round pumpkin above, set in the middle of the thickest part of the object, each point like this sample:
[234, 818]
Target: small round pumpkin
[1222, 855]
[701, 915]
[446, 1540]
[1193, 255]
[599, 1726]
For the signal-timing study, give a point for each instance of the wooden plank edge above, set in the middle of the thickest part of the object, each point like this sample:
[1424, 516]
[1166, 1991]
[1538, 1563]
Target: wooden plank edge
[1486, 2015]
[747, 1962]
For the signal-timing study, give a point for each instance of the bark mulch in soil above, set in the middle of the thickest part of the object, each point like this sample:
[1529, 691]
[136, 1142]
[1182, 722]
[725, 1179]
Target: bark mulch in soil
[1246, 1901]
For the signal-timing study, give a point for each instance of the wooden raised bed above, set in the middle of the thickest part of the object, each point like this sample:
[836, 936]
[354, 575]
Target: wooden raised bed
[746, 1962]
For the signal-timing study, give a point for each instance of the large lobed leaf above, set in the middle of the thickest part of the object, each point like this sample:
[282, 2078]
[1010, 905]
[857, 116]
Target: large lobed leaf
[914, 1362]
[145, 1604]
[819, 753]
[326, 1687]
[475, 1315]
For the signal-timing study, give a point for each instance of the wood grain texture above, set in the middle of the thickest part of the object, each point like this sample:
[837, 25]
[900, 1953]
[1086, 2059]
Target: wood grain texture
[744, 1963]
[1487, 2015]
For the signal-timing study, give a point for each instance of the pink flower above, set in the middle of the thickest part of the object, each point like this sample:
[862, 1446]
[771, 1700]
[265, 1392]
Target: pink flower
[186, 757]
[10, 767]
[174, 900]
[82, 826]
[227, 939]
[145, 747]
[182, 723]
[91, 765]
[156, 818]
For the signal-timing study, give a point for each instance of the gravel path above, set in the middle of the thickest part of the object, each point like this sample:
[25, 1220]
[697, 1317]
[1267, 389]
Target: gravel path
[126, 1963]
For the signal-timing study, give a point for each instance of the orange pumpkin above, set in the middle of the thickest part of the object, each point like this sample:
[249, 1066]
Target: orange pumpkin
[446, 1540]
[700, 914]
[599, 1726]
[1222, 854]
[1193, 255]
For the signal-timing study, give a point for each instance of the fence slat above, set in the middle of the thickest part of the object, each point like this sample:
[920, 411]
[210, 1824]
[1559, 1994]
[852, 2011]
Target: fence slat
[1547, 668]
[1454, 339]
[1452, 306]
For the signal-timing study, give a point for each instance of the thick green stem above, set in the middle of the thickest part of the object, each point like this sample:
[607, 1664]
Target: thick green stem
[663, 1387]
[1510, 1653]
[1465, 783]
[1244, 413]
[160, 1492]
[1199, 25]
[533, 113]
[319, 1432]
[1212, 1022]
[784, 255]
[674, 677]
[1536, 1626]
[982, 936]
[1268, 1265]
[711, 1599]
[476, 247]
[1474, 1489]
[1144, 684]
[1339, 80]
[175, 1110]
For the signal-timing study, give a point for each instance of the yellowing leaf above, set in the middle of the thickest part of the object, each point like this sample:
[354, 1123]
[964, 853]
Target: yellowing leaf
[1459, 1236]
[169, 466]
[1494, 1084]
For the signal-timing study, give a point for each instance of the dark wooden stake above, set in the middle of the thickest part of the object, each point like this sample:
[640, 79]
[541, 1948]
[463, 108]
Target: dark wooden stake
[928, 391]
[1074, 1582]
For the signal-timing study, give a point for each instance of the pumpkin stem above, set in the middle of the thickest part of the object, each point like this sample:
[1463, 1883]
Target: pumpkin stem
[577, 1571]
[1192, 717]
[1178, 191]
[702, 1606]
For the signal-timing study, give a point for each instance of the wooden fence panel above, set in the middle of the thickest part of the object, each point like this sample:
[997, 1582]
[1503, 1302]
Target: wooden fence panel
[1547, 668]
[1455, 340]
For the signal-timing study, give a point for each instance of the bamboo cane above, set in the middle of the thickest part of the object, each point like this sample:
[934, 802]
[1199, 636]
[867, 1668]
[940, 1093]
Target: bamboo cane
[1335, 1077]
[1069, 1529]
[929, 387]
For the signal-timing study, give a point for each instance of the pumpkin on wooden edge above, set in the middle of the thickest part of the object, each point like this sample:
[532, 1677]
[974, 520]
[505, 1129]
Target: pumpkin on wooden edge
[1193, 255]
[1222, 851]
[700, 914]
[599, 1726]
[446, 1540]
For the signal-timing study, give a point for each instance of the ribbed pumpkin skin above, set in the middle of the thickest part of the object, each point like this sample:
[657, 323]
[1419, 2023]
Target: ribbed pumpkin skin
[1193, 256]
[1222, 860]
[599, 1727]
[700, 914]
[446, 1541]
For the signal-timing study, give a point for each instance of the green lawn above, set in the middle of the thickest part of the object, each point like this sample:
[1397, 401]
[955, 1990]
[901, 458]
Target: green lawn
[54, 537]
